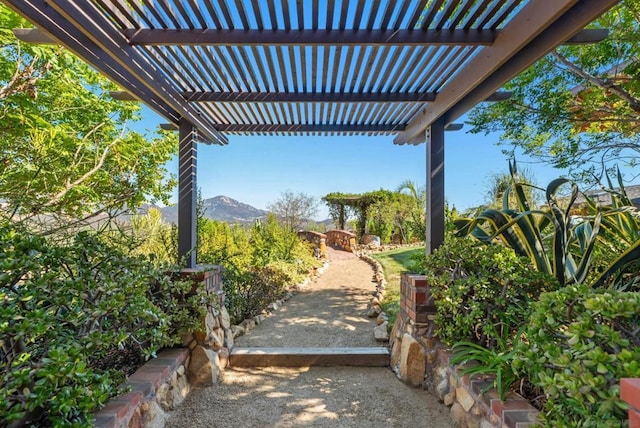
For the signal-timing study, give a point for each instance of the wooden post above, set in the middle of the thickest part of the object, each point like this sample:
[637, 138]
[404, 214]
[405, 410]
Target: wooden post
[435, 186]
[187, 194]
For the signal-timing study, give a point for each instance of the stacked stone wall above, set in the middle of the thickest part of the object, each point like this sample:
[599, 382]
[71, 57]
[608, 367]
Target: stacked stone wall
[421, 360]
[341, 239]
[319, 241]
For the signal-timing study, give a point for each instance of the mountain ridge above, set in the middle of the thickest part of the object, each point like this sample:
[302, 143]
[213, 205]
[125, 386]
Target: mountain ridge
[221, 208]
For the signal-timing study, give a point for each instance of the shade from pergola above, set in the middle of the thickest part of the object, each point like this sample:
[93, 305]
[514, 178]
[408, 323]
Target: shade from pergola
[408, 68]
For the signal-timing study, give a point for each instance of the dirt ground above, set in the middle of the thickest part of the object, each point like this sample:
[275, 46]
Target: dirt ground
[330, 312]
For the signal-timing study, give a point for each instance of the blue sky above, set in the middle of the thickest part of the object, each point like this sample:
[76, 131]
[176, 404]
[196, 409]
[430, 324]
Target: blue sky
[257, 169]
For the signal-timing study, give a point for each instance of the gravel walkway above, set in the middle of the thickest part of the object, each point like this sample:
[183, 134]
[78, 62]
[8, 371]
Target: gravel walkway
[328, 313]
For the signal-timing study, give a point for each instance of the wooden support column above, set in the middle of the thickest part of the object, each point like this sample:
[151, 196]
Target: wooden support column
[435, 186]
[187, 194]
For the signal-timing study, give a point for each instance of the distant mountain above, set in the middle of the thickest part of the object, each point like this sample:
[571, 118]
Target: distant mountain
[222, 208]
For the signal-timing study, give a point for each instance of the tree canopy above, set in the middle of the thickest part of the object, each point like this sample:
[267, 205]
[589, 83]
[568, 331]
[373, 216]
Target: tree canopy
[380, 212]
[66, 153]
[294, 209]
[578, 107]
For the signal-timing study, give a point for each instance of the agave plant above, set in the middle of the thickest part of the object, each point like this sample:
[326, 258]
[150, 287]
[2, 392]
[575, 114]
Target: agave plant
[555, 242]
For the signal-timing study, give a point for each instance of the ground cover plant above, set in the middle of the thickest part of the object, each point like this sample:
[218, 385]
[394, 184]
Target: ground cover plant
[579, 343]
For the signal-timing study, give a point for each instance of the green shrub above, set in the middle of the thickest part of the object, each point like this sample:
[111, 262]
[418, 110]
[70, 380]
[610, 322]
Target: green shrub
[579, 343]
[482, 292]
[67, 309]
[248, 293]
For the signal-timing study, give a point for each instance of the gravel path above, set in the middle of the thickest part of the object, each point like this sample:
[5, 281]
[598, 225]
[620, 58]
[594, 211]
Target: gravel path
[328, 313]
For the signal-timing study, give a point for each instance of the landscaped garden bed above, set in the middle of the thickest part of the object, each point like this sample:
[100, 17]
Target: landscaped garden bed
[556, 323]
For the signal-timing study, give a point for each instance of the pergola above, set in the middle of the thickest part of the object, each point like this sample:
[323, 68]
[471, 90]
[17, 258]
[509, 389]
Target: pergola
[408, 68]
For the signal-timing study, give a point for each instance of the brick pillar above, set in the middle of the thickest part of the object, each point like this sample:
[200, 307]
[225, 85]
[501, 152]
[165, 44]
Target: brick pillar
[630, 392]
[416, 302]
[209, 276]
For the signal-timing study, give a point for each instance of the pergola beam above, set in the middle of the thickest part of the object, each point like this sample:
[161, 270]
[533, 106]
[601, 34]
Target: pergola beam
[227, 37]
[306, 128]
[266, 128]
[587, 36]
[310, 97]
[316, 97]
[523, 37]
[409, 37]
[35, 36]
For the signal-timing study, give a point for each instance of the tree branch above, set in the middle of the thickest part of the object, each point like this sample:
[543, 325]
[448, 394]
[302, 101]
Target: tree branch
[605, 83]
[84, 177]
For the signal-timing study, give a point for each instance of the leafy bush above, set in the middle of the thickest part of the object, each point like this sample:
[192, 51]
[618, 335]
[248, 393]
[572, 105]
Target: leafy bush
[249, 292]
[65, 309]
[579, 343]
[497, 364]
[482, 292]
[258, 264]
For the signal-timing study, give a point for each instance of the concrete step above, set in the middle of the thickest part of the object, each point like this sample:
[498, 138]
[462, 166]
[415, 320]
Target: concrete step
[307, 357]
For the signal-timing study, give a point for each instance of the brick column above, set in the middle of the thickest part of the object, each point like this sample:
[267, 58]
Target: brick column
[630, 392]
[416, 302]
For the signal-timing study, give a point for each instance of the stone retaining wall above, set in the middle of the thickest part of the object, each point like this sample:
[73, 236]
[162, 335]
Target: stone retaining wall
[341, 239]
[421, 360]
[319, 240]
[162, 384]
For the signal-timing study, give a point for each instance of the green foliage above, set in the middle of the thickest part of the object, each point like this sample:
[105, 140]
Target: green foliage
[381, 212]
[556, 243]
[482, 292]
[223, 244]
[479, 360]
[258, 263]
[579, 343]
[270, 243]
[416, 221]
[339, 210]
[154, 238]
[66, 152]
[274, 258]
[249, 292]
[577, 107]
[67, 308]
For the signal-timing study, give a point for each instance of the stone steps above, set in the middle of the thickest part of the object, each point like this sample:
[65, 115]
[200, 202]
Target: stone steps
[307, 357]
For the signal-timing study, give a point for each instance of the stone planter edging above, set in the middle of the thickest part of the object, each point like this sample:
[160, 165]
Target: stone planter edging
[155, 388]
[421, 360]
[381, 330]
